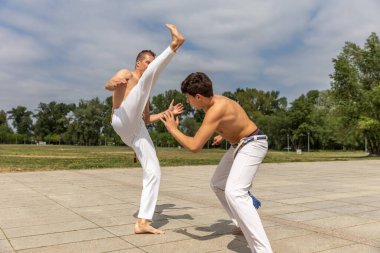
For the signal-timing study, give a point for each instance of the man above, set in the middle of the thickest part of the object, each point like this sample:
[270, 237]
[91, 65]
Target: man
[131, 91]
[233, 176]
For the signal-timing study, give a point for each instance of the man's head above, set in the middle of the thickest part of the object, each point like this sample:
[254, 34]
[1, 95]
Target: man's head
[143, 59]
[197, 83]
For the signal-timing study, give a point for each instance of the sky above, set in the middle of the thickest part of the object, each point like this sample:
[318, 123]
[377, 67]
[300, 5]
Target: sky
[66, 50]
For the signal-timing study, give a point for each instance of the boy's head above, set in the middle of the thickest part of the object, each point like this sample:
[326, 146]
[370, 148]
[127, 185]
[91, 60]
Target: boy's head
[197, 83]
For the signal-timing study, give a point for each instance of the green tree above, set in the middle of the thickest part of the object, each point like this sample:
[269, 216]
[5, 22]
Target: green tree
[21, 120]
[190, 126]
[161, 102]
[307, 120]
[355, 90]
[86, 126]
[5, 130]
[52, 119]
[258, 103]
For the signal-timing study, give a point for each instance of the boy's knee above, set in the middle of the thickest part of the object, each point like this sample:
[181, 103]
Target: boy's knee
[214, 187]
[232, 194]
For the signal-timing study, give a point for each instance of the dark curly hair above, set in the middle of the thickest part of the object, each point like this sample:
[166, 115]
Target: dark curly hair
[197, 83]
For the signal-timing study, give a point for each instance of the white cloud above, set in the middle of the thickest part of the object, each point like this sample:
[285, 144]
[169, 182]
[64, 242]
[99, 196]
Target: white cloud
[66, 50]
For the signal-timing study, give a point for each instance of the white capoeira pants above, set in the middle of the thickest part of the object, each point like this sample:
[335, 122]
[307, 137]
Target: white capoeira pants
[231, 182]
[128, 123]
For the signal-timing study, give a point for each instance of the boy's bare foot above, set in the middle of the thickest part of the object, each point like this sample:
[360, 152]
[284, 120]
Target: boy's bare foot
[142, 227]
[237, 230]
[177, 38]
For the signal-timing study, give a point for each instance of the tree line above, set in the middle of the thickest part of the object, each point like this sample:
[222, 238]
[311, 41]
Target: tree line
[345, 116]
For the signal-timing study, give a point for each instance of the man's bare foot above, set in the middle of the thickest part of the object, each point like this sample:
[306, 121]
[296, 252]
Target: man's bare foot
[177, 38]
[237, 230]
[143, 227]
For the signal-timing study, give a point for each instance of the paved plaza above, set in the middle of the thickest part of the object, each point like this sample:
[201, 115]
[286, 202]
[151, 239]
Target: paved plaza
[329, 207]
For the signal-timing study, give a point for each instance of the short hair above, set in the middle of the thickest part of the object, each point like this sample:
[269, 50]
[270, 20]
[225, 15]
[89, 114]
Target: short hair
[142, 54]
[197, 83]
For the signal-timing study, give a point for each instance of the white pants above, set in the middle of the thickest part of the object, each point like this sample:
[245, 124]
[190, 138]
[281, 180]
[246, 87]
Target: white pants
[128, 123]
[231, 182]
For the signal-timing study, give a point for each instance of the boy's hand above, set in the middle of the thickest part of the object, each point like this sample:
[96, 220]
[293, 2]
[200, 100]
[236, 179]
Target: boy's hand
[170, 121]
[217, 140]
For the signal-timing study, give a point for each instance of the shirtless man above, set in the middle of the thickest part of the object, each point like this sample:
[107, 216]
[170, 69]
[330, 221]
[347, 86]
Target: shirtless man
[130, 96]
[234, 175]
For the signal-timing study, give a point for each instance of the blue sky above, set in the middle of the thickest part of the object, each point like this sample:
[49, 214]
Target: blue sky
[65, 50]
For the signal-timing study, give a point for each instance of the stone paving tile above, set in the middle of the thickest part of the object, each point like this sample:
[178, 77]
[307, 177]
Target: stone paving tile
[134, 250]
[326, 204]
[308, 243]
[282, 232]
[48, 229]
[28, 211]
[93, 246]
[306, 215]
[340, 221]
[2, 236]
[375, 204]
[357, 248]
[362, 199]
[352, 209]
[113, 220]
[370, 231]
[10, 202]
[284, 209]
[44, 220]
[5, 246]
[186, 246]
[58, 238]
[306, 207]
[298, 200]
[145, 240]
[374, 215]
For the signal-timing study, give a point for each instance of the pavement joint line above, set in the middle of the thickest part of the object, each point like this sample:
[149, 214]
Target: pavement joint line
[66, 243]
[139, 185]
[325, 231]
[173, 195]
[321, 251]
[64, 208]
[6, 238]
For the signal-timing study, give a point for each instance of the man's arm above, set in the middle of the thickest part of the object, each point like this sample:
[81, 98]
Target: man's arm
[119, 79]
[175, 109]
[194, 144]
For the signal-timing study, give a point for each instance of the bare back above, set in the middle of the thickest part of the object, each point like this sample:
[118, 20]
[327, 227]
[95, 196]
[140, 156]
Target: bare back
[233, 121]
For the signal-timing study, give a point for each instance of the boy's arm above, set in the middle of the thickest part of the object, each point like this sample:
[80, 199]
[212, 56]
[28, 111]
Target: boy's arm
[194, 144]
[119, 79]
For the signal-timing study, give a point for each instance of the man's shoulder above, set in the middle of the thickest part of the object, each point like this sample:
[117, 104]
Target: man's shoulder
[124, 73]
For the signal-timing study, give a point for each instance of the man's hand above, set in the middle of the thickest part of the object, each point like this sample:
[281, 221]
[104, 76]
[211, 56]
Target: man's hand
[170, 121]
[120, 82]
[217, 140]
[120, 79]
[175, 109]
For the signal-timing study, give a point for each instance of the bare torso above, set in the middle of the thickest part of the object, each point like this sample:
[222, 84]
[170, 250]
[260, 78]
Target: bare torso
[121, 92]
[234, 123]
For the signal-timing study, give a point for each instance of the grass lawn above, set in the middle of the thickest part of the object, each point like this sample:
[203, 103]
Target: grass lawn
[50, 157]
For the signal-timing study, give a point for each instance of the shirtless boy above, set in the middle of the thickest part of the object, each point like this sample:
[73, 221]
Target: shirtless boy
[130, 96]
[234, 175]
